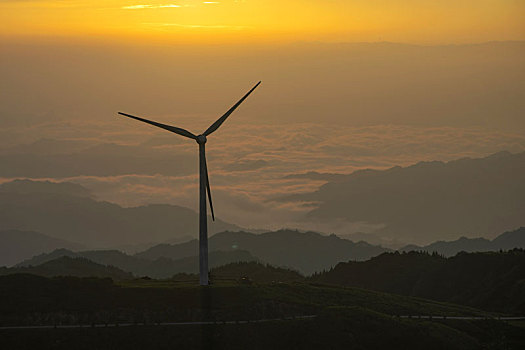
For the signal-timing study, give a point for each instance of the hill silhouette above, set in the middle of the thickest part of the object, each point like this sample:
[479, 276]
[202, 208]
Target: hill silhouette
[164, 260]
[511, 239]
[57, 210]
[505, 241]
[16, 245]
[429, 201]
[158, 268]
[306, 252]
[67, 266]
[492, 281]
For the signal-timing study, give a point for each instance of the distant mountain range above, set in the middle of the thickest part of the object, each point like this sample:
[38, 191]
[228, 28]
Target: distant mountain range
[39, 216]
[157, 268]
[505, 241]
[66, 211]
[306, 252]
[16, 245]
[488, 280]
[429, 201]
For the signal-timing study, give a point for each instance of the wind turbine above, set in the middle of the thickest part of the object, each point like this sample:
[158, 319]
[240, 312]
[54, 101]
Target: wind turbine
[204, 182]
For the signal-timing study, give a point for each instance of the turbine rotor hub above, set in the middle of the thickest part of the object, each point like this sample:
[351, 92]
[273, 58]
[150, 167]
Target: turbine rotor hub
[201, 139]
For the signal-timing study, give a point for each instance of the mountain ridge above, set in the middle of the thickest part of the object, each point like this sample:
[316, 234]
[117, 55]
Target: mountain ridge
[505, 241]
[283, 248]
[66, 215]
[18, 245]
[161, 267]
[428, 201]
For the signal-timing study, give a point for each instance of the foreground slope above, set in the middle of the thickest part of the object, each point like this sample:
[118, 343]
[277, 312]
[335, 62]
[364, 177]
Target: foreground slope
[346, 318]
[254, 272]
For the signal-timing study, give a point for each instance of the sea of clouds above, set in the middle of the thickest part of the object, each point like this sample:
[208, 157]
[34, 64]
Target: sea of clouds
[250, 165]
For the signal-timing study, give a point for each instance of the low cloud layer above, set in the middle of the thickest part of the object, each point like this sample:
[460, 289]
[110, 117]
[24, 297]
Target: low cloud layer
[248, 164]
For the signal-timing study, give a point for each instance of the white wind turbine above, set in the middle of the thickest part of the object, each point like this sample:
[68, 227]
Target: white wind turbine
[204, 183]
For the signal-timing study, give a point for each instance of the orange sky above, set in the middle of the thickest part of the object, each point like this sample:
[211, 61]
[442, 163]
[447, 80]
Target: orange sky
[411, 21]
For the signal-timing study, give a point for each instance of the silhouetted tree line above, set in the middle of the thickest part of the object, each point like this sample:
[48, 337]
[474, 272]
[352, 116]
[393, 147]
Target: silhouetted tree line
[491, 280]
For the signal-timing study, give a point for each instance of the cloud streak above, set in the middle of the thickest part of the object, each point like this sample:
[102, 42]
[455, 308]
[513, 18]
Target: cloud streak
[141, 7]
[197, 26]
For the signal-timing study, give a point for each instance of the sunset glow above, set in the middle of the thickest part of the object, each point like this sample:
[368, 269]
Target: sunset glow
[235, 20]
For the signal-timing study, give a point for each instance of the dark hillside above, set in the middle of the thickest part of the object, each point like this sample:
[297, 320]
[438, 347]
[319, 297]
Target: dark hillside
[255, 272]
[67, 266]
[492, 281]
[347, 318]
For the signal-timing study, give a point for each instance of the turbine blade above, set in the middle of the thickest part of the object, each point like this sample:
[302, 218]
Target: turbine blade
[221, 120]
[174, 129]
[208, 188]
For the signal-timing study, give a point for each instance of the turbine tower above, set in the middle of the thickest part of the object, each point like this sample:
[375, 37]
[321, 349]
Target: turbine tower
[204, 182]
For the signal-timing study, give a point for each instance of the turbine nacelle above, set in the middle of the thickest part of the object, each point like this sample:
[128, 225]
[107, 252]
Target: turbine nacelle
[201, 139]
